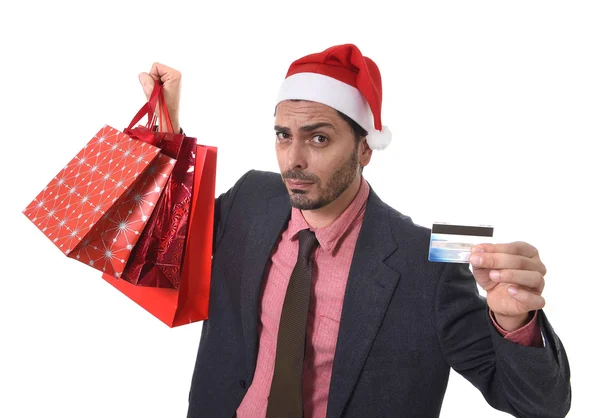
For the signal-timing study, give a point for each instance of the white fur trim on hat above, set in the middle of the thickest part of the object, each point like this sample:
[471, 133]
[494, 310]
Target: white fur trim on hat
[328, 91]
[379, 139]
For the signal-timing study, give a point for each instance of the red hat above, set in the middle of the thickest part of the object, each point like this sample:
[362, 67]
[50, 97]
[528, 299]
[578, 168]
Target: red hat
[342, 78]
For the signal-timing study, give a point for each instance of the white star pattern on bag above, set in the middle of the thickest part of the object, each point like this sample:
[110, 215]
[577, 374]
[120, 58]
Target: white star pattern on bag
[105, 194]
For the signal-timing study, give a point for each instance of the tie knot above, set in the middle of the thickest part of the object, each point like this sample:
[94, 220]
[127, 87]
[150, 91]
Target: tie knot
[307, 243]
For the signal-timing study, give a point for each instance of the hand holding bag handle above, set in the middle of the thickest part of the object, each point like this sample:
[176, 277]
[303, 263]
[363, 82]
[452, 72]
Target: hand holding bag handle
[145, 133]
[148, 108]
[170, 144]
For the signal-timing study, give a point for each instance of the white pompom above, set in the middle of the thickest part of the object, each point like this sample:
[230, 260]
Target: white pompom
[379, 139]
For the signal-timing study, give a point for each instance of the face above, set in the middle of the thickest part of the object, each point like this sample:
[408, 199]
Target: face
[317, 153]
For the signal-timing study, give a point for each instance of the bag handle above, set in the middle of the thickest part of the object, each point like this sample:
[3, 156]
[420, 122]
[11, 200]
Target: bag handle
[147, 133]
[163, 110]
[149, 107]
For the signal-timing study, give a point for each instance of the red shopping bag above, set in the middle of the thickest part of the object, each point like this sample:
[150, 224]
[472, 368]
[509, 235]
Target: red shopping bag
[188, 303]
[95, 208]
[157, 258]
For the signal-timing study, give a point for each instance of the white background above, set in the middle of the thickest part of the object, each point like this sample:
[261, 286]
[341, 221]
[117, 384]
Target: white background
[508, 91]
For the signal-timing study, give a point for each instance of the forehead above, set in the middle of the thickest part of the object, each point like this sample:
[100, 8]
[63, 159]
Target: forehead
[291, 112]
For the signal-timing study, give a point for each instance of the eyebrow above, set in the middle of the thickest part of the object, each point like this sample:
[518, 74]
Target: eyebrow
[306, 128]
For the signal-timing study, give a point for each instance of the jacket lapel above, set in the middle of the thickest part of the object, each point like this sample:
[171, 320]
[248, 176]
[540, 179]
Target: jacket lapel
[371, 283]
[264, 232]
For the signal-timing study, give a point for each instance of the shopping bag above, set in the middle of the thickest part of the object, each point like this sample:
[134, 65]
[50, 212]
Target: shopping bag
[189, 303]
[95, 208]
[157, 258]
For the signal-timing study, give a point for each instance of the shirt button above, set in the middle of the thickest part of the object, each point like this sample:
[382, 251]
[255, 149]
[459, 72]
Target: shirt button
[242, 384]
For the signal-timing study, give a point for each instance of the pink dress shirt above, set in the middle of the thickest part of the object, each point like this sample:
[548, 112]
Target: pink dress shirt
[332, 261]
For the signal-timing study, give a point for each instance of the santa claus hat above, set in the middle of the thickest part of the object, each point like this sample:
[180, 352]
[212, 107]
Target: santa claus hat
[342, 78]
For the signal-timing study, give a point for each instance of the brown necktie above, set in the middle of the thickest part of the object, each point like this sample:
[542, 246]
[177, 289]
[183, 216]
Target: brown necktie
[285, 399]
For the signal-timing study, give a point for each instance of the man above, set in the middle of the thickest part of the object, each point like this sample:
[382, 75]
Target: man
[323, 301]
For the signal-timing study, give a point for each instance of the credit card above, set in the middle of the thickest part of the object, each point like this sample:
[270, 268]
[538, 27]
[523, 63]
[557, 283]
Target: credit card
[452, 243]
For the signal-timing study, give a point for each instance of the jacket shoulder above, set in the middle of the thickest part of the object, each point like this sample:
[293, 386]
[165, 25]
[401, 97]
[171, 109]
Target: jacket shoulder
[403, 227]
[412, 241]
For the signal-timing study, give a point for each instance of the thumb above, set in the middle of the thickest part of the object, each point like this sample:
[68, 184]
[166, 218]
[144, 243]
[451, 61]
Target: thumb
[147, 83]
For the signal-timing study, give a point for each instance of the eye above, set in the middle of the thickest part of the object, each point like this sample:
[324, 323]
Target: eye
[319, 140]
[282, 136]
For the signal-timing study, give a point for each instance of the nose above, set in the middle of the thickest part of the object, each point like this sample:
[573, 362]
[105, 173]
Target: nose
[296, 155]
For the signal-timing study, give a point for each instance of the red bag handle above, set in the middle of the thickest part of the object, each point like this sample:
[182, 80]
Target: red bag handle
[157, 95]
[163, 110]
[146, 133]
[148, 108]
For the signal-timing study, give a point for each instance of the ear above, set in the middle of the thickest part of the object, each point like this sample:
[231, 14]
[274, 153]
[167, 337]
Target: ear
[364, 152]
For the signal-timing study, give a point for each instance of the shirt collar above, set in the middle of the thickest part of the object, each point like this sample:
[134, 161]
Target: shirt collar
[330, 235]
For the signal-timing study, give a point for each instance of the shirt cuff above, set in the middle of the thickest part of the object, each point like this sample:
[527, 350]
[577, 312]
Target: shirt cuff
[529, 335]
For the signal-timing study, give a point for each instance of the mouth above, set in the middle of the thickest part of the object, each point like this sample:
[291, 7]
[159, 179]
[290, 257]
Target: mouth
[298, 184]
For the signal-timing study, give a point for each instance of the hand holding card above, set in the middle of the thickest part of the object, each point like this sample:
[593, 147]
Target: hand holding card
[513, 277]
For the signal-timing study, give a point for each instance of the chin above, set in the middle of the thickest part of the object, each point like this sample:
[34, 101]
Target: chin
[303, 202]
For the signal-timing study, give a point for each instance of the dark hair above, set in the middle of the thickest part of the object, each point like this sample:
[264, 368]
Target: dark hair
[358, 131]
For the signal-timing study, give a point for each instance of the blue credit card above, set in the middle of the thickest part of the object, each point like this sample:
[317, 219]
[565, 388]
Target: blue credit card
[452, 243]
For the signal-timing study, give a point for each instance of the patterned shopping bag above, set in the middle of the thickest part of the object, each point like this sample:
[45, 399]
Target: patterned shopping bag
[96, 207]
[157, 258]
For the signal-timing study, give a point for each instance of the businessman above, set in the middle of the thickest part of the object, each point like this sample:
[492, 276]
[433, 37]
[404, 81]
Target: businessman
[323, 302]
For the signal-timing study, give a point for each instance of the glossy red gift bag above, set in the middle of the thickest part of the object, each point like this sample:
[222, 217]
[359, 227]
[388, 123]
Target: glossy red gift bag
[188, 303]
[157, 258]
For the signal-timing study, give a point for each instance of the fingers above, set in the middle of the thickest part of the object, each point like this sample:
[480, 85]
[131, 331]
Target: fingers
[170, 77]
[516, 248]
[498, 261]
[512, 274]
[527, 299]
[147, 83]
[533, 280]
[164, 73]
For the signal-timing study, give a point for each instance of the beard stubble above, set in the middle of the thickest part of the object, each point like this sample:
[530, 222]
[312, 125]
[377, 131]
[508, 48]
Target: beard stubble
[339, 181]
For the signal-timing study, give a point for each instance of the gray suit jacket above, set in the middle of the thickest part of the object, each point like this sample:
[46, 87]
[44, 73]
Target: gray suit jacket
[405, 321]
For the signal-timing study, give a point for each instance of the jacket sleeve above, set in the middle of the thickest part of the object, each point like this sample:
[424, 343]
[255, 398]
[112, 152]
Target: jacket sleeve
[522, 381]
[223, 205]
